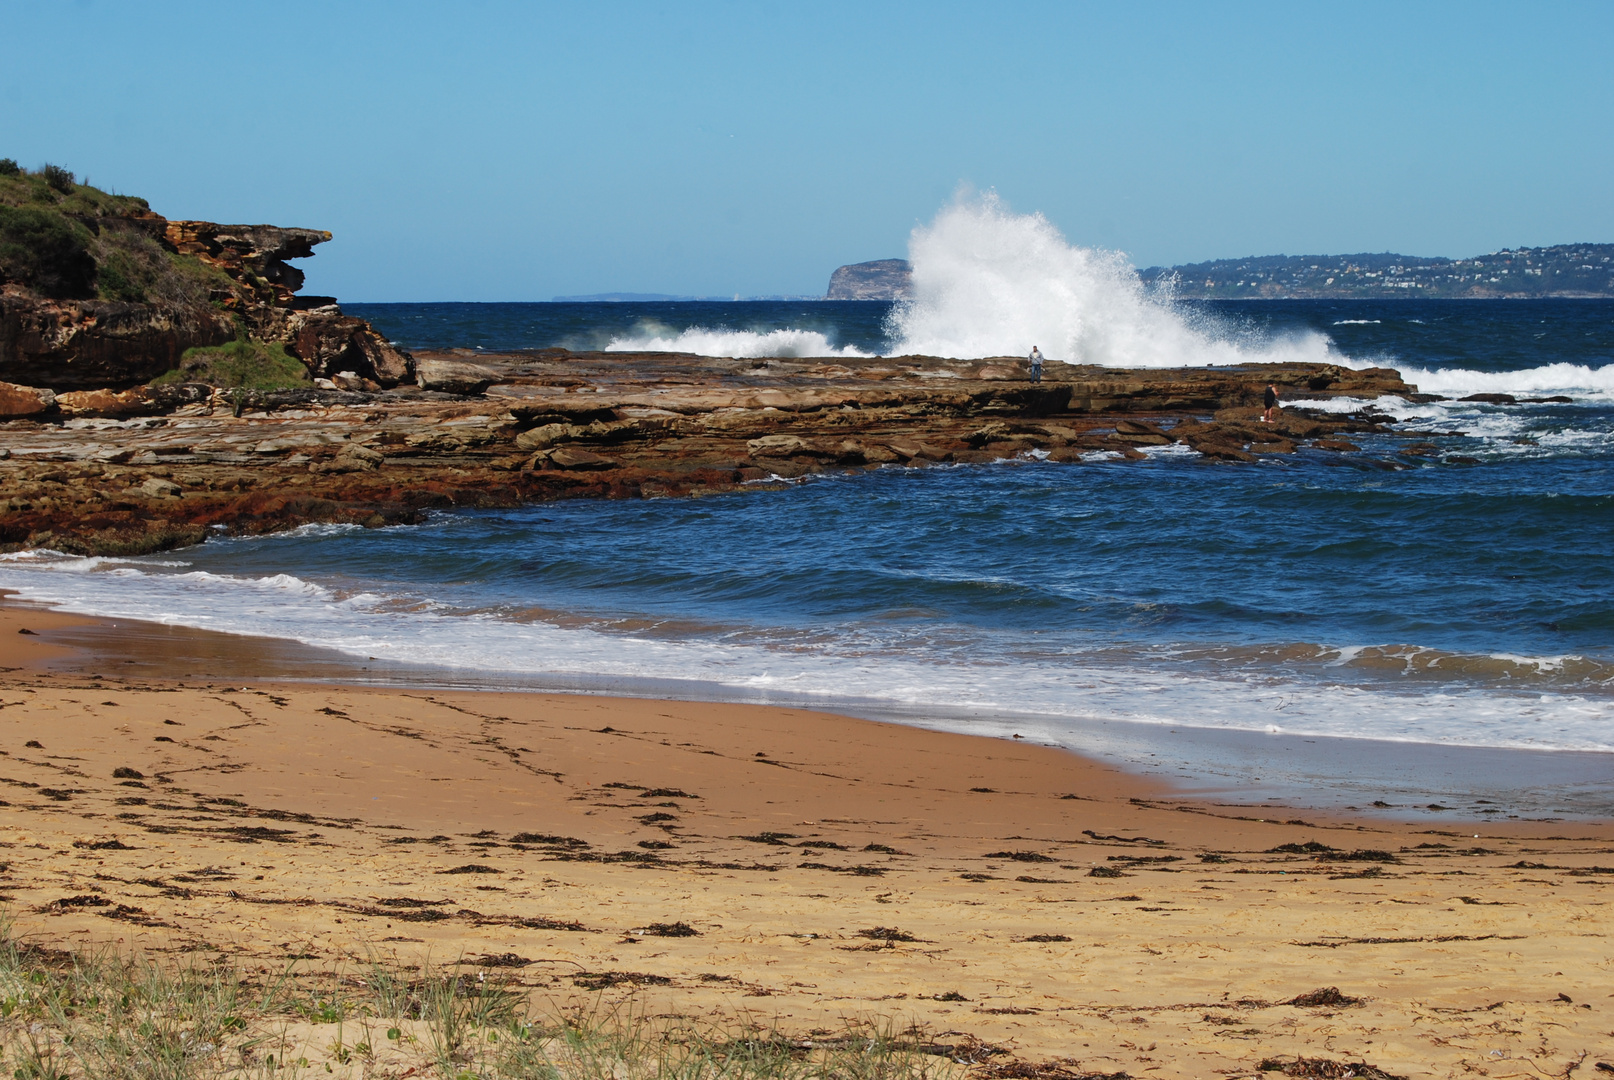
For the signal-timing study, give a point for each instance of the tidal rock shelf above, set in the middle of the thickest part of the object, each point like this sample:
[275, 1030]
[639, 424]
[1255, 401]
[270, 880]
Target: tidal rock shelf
[146, 469]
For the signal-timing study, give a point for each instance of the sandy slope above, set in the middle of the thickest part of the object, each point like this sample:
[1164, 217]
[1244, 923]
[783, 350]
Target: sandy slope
[829, 867]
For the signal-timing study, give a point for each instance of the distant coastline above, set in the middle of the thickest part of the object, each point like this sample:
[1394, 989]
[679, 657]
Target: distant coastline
[1561, 272]
[1565, 271]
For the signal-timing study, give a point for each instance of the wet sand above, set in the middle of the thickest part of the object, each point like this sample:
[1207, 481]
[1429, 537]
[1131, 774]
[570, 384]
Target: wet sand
[1366, 777]
[714, 859]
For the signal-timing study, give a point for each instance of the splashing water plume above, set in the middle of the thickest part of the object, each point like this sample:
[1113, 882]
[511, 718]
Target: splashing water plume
[989, 282]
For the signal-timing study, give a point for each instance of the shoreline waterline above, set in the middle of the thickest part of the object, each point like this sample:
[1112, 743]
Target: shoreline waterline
[1282, 773]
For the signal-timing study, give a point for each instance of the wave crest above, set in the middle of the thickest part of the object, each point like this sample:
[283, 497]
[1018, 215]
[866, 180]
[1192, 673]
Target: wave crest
[705, 341]
[989, 282]
[1574, 380]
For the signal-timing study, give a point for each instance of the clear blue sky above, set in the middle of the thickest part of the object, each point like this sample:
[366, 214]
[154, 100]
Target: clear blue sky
[514, 151]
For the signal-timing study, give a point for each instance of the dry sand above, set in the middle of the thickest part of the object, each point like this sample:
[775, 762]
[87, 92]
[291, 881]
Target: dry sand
[828, 867]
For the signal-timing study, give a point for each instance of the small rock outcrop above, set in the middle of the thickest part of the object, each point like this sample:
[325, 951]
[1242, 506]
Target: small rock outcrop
[16, 401]
[882, 279]
[454, 376]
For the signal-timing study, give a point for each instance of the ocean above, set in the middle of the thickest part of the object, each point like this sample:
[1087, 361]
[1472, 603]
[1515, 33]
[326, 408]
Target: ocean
[1376, 603]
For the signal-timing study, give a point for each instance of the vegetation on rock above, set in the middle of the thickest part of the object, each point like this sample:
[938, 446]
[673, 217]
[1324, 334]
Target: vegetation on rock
[98, 291]
[244, 363]
[46, 252]
[62, 240]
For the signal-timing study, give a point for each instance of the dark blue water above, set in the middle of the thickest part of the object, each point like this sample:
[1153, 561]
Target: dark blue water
[1365, 595]
[1503, 335]
[590, 326]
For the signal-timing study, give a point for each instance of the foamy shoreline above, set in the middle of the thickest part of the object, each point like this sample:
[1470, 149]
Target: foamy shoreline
[1372, 779]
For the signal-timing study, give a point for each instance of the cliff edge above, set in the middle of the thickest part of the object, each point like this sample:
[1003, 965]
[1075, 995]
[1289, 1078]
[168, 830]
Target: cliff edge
[99, 292]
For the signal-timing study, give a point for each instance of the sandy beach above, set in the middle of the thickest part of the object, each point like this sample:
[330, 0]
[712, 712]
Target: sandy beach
[721, 860]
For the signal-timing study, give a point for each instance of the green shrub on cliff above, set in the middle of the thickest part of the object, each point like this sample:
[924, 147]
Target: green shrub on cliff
[46, 252]
[243, 364]
[9, 167]
[86, 244]
[59, 178]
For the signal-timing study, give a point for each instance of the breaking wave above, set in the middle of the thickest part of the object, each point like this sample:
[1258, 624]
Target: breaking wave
[1501, 700]
[1573, 380]
[705, 341]
[989, 282]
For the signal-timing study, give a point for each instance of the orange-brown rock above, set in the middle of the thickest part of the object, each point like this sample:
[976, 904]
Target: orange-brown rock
[19, 401]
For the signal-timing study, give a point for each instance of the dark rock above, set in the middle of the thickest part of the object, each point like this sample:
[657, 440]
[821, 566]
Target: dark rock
[258, 250]
[1137, 427]
[330, 342]
[1492, 399]
[87, 344]
[1225, 452]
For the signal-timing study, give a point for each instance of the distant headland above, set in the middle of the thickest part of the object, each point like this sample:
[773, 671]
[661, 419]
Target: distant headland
[882, 279]
[1563, 271]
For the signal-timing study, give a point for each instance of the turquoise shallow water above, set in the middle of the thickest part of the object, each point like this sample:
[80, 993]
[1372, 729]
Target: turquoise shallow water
[1314, 595]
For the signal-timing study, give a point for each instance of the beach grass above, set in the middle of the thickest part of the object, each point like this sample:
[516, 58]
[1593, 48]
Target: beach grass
[98, 1014]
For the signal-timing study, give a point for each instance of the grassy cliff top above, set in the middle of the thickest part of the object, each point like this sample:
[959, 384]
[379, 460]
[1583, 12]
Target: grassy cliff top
[63, 240]
[57, 190]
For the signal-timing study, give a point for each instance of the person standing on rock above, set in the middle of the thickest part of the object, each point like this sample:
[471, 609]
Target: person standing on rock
[1271, 403]
[1036, 364]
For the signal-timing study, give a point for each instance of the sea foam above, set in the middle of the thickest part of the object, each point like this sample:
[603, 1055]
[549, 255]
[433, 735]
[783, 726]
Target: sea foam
[1055, 699]
[990, 282]
[706, 341]
[1572, 380]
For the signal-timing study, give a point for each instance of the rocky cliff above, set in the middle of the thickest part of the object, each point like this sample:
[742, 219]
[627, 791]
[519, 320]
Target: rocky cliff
[97, 291]
[882, 279]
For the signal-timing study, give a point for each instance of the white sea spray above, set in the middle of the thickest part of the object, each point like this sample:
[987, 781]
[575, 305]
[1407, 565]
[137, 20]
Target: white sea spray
[707, 341]
[990, 282]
